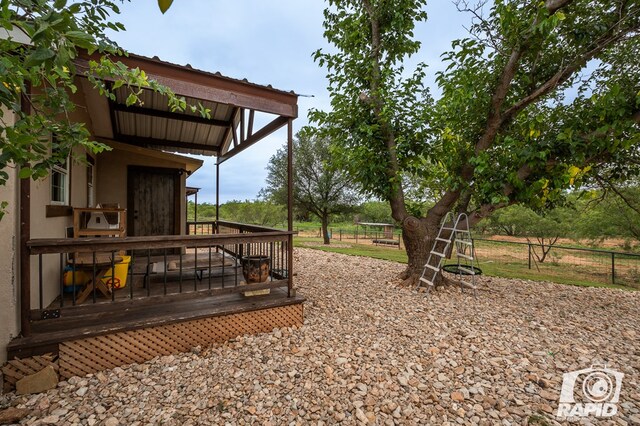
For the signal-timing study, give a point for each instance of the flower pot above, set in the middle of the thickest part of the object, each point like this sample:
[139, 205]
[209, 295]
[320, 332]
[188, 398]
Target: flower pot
[255, 269]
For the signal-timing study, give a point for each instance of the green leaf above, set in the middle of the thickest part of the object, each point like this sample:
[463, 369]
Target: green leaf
[80, 38]
[164, 5]
[24, 173]
[131, 99]
[40, 55]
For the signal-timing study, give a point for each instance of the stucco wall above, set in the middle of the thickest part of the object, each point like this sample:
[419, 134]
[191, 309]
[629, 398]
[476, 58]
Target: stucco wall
[54, 227]
[9, 290]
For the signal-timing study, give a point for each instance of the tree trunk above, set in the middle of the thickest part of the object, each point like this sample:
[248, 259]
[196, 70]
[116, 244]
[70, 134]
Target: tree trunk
[418, 237]
[325, 229]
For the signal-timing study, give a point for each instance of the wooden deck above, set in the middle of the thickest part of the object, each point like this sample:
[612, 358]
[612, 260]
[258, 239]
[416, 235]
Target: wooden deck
[89, 320]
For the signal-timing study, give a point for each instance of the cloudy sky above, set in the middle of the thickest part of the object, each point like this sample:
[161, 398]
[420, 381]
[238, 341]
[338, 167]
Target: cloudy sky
[266, 42]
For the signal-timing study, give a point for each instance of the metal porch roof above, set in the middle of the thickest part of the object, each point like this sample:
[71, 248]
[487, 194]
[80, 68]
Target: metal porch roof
[233, 104]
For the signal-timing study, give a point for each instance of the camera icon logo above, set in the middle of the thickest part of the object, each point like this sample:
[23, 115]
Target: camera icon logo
[590, 391]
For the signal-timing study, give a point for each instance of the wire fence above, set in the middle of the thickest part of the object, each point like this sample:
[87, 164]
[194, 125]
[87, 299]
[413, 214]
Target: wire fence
[560, 264]
[512, 259]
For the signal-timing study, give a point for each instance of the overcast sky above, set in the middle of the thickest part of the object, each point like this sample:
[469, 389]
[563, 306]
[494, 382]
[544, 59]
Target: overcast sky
[266, 42]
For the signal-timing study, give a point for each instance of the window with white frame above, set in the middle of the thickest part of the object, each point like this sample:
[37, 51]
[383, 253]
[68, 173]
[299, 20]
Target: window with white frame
[60, 184]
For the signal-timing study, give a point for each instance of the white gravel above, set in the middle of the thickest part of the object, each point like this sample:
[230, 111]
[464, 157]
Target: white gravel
[372, 352]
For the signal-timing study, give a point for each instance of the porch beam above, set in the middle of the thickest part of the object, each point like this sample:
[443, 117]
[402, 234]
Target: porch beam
[145, 142]
[274, 125]
[134, 109]
[207, 86]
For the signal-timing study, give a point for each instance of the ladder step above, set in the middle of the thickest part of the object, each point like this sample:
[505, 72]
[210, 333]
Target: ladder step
[469, 285]
[463, 269]
[465, 256]
[444, 240]
[437, 254]
[469, 243]
[446, 228]
[431, 267]
[424, 280]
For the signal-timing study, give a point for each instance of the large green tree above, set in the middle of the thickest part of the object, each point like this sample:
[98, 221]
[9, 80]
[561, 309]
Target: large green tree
[539, 97]
[318, 187]
[40, 42]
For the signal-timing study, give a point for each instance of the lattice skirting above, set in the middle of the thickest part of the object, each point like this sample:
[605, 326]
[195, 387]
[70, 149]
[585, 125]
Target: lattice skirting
[16, 369]
[80, 357]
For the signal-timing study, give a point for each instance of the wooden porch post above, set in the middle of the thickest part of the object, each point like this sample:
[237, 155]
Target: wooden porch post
[25, 236]
[217, 196]
[290, 203]
[195, 209]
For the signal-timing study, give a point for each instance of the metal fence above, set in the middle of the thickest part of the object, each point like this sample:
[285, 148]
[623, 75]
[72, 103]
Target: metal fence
[357, 235]
[561, 264]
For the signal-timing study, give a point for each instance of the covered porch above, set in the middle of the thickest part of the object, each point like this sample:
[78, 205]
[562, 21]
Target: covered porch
[159, 291]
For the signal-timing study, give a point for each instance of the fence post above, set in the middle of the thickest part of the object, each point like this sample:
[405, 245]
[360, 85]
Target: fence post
[529, 255]
[613, 268]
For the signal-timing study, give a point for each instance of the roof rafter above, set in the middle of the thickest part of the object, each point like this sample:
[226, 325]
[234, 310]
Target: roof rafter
[146, 142]
[134, 109]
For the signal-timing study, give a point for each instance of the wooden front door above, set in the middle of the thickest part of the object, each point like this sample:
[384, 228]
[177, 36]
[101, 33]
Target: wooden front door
[153, 201]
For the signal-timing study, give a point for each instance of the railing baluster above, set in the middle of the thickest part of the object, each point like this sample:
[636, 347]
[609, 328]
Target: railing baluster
[149, 278]
[271, 245]
[131, 276]
[180, 270]
[223, 262]
[61, 280]
[113, 277]
[195, 267]
[40, 297]
[93, 278]
[164, 270]
[209, 271]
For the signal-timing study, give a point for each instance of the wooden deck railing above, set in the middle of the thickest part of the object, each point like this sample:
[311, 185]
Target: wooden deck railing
[210, 227]
[159, 266]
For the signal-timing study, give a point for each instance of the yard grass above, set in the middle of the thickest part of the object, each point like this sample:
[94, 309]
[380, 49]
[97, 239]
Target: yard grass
[577, 275]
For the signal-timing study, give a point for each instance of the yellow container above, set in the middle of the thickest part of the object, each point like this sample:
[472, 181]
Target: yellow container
[71, 277]
[119, 279]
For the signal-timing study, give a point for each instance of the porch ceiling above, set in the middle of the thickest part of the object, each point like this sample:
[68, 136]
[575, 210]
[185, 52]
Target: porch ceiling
[232, 104]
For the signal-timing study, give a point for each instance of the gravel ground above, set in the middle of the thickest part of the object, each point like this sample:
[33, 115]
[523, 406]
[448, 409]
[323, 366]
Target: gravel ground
[372, 352]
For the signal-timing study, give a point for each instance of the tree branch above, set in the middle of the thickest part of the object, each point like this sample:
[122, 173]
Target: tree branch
[560, 77]
[396, 193]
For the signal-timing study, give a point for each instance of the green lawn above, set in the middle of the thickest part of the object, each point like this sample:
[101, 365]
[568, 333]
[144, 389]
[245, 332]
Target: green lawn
[578, 276]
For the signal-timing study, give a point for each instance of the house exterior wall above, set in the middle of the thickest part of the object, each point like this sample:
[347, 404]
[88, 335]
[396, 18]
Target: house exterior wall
[9, 268]
[55, 226]
[110, 185]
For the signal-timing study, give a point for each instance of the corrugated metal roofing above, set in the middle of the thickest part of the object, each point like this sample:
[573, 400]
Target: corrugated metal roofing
[147, 126]
[153, 125]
